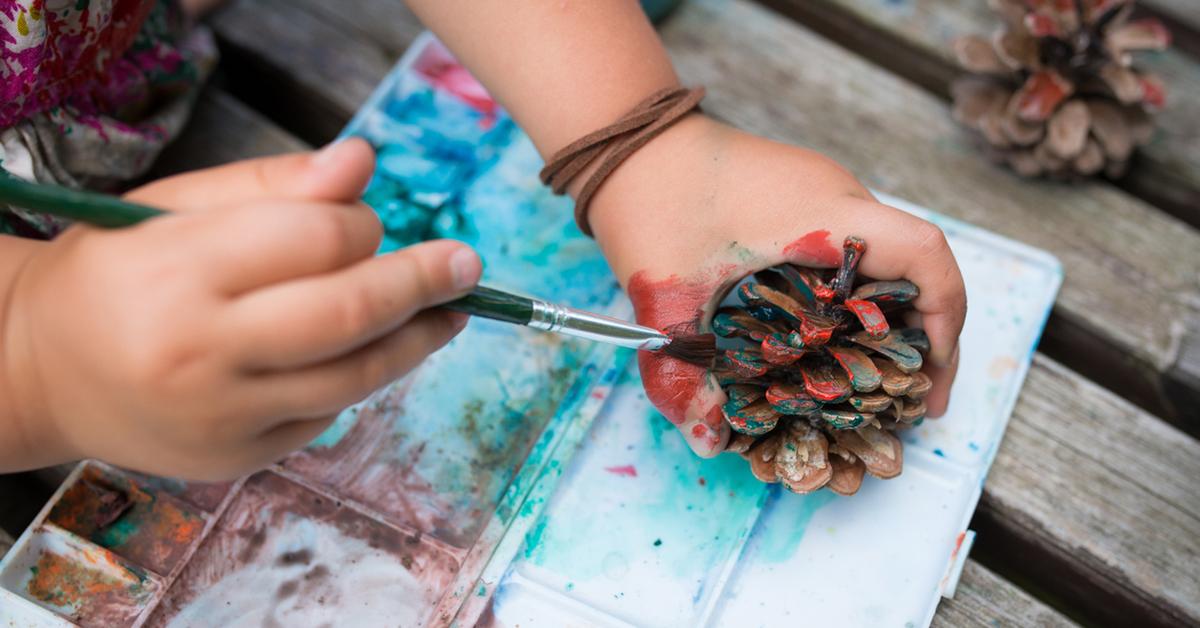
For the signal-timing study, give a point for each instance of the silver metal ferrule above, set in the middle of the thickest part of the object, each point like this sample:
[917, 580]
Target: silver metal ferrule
[571, 322]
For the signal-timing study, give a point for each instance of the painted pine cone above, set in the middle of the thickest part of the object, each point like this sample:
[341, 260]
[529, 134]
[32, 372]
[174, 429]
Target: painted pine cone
[1055, 92]
[819, 379]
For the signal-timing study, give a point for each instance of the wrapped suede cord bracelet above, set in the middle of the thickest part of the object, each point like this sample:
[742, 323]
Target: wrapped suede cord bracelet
[613, 144]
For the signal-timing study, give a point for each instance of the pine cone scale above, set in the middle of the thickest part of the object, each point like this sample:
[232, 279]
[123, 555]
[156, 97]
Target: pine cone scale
[811, 356]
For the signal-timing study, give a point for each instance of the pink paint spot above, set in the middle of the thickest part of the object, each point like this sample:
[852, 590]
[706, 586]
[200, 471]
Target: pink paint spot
[444, 71]
[814, 249]
[707, 437]
[628, 471]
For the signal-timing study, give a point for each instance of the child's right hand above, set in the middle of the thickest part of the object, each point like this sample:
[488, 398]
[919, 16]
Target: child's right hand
[211, 342]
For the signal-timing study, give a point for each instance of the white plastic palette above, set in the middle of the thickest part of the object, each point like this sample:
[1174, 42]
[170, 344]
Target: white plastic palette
[638, 532]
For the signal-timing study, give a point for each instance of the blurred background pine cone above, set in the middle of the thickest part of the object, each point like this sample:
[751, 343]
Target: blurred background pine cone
[1055, 92]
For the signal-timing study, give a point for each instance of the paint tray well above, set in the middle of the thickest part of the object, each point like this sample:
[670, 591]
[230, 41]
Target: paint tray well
[638, 532]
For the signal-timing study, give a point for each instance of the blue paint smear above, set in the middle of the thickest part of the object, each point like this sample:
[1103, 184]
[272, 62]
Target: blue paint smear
[461, 426]
[664, 521]
[778, 543]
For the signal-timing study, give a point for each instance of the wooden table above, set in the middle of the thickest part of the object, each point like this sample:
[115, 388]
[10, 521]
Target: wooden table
[1091, 513]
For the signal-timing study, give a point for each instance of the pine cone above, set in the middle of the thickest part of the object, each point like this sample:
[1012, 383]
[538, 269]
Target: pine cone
[820, 380]
[1055, 91]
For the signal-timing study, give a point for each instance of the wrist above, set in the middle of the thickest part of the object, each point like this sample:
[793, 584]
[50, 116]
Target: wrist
[32, 437]
[660, 195]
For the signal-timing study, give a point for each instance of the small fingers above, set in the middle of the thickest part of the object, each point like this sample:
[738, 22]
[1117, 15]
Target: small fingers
[331, 386]
[688, 396]
[337, 173]
[900, 245]
[247, 247]
[318, 318]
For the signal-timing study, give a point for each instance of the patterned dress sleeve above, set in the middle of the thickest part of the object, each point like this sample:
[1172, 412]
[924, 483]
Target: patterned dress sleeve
[91, 91]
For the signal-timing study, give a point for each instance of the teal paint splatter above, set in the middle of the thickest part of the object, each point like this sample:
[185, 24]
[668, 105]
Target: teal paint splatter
[777, 543]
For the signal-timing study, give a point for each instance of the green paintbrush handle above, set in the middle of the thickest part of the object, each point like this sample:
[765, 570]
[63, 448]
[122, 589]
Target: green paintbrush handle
[496, 305]
[101, 210]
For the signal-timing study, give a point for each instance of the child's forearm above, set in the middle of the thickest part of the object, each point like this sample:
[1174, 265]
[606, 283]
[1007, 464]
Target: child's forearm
[562, 69]
[24, 443]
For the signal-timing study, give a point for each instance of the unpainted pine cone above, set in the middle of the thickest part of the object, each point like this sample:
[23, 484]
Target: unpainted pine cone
[1055, 91]
[818, 379]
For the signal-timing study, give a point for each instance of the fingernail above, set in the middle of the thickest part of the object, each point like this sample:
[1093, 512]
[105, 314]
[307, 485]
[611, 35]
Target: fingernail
[951, 360]
[459, 320]
[465, 268]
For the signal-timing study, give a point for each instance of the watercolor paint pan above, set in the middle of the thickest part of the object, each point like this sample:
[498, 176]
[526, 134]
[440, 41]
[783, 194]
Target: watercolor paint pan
[637, 532]
[100, 552]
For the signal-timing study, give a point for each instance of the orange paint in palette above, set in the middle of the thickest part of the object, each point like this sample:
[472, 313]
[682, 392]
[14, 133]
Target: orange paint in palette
[115, 512]
[74, 579]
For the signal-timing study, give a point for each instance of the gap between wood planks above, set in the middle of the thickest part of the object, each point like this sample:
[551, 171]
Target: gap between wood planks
[1162, 174]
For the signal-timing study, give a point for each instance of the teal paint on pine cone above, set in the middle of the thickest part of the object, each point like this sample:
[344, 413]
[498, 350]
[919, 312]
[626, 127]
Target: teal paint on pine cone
[658, 9]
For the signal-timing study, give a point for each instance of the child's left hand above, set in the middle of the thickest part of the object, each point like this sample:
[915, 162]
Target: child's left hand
[703, 205]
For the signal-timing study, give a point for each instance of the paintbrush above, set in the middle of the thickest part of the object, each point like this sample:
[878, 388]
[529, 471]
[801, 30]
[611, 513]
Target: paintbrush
[102, 210]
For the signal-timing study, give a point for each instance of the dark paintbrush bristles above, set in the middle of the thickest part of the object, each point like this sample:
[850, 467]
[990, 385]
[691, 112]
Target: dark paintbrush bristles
[698, 349]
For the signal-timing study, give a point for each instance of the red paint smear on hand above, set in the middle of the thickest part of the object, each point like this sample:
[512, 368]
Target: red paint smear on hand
[672, 303]
[628, 471]
[814, 248]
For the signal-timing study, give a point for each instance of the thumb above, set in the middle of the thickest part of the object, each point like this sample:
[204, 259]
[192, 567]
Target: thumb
[690, 397]
[337, 173]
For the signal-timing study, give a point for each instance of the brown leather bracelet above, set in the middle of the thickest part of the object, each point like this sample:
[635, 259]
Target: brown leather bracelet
[613, 144]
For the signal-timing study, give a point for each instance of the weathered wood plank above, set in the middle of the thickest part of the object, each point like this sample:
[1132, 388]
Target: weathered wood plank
[985, 600]
[309, 70]
[912, 38]
[1096, 501]
[223, 129]
[1131, 271]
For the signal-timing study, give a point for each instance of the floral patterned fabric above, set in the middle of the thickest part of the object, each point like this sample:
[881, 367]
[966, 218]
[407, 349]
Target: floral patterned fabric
[91, 91]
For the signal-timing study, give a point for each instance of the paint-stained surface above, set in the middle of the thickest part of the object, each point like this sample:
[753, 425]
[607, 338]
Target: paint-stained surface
[285, 555]
[691, 542]
[153, 530]
[76, 580]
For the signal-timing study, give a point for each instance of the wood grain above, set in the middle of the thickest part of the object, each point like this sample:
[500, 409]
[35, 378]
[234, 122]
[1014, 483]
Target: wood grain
[1104, 496]
[1131, 281]
[912, 38]
[985, 600]
[310, 71]
[6, 542]
[223, 129]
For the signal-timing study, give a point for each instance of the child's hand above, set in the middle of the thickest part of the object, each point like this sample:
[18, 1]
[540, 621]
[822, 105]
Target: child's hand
[703, 205]
[211, 342]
